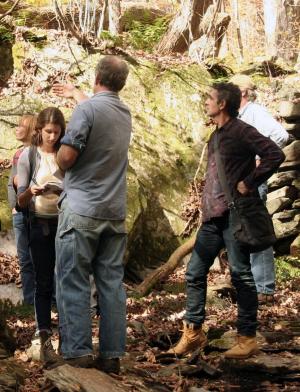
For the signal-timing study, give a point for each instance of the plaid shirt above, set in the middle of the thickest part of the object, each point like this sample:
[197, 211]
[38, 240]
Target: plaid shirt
[239, 143]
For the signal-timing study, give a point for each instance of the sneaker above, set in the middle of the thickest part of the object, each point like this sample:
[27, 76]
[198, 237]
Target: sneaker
[107, 365]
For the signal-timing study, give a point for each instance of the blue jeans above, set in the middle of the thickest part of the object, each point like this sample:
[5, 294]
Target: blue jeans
[85, 244]
[42, 248]
[211, 238]
[26, 266]
[262, 263]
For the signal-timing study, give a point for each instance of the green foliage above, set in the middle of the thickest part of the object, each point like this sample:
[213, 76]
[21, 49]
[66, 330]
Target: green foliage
[145, 36]
[286, 269]
[108, 37]
[21, 311]
[43, 3]
[6, 35]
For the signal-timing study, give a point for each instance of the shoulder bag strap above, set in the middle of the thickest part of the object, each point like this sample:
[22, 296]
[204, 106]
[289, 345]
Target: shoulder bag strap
[221, 171]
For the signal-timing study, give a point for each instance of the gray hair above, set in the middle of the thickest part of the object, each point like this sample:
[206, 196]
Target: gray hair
[251, 94]
[112, 72]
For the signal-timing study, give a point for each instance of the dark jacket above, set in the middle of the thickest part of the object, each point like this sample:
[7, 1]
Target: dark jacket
[239, 143]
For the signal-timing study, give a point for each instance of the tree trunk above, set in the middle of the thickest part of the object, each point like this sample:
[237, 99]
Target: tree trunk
[212, 28]
[236, 18]
[288, 29]
[270, 21]
[166, 269]
[184, 28]
[114, 15]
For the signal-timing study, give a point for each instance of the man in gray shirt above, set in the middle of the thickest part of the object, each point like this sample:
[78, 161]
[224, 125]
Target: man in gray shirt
[91, 231]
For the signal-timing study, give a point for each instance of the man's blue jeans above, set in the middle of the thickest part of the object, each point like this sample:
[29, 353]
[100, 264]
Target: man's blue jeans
[211, 238]
[26, 266]
[262, 263]
[85, 244]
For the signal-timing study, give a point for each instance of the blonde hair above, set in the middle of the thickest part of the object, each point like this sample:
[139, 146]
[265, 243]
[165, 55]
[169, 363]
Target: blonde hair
[29, 122]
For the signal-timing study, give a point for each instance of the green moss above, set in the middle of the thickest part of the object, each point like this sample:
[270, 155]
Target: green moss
[29, 16]
[175, 288]
[39, 3]
[145, 36]
[18, 51]
[6, 35]
[286, 269]
[5, 211]
[21, 311]
[42, 3]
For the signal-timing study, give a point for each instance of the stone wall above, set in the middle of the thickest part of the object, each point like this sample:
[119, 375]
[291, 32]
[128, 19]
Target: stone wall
[283, 200]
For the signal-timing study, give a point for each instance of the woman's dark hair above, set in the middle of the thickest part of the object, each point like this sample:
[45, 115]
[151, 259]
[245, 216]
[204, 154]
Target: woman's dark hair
[49, 115]
[231, 94]
[112, 72]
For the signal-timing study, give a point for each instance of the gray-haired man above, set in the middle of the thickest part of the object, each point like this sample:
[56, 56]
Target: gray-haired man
[91, 232]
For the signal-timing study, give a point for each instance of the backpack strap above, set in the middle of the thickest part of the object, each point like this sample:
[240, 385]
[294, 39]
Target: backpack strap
[32, 160]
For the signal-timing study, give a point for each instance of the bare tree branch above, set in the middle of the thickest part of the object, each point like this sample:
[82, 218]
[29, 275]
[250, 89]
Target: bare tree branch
[81, 38]
[10, 10]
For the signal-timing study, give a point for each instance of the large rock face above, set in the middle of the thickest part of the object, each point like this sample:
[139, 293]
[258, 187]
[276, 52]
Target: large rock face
[6, 63]
[166, 142]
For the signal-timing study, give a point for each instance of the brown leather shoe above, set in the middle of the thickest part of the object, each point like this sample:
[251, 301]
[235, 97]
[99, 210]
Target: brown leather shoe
[47, 354]
[265, 299]
[245, 347]
[107, 365]
[192, 338]
[87, 361]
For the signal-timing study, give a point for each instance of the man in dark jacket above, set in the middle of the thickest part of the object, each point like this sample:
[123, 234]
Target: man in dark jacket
[239, 143]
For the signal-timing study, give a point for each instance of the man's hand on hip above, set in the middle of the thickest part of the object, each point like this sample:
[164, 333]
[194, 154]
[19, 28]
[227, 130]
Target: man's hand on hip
[242, 188]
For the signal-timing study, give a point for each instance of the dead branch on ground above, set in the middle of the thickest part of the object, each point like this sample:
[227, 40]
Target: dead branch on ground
[162, 272]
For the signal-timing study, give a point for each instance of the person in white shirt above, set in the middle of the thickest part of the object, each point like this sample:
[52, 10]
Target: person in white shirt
[262, 263]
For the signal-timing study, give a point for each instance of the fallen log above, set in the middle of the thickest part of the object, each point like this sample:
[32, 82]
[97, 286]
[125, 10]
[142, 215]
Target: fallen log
[167, 268]
[70, 379]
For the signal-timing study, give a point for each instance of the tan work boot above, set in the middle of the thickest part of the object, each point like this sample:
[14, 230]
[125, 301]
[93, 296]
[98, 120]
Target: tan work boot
[48, 354]
[192, 338]
[244, 348]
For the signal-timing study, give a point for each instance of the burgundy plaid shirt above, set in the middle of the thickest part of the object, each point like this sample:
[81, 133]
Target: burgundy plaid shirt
[239, 143]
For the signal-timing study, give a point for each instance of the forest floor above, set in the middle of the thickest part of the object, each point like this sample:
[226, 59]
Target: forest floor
[154, 323]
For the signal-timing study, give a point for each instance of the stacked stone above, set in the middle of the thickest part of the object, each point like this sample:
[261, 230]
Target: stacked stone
[283, 200]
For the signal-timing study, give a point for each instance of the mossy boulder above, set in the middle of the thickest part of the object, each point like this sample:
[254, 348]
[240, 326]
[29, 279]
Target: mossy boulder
[144, 14]
[168, 135]
[5, 211]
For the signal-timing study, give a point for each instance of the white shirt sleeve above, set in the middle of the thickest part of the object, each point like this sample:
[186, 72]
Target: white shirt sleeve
[258, 116]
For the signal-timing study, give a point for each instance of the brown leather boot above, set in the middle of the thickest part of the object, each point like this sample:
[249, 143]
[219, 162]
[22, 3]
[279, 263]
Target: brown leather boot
[192, 338]
[48, 354]
[245, 347]
[265, 299]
